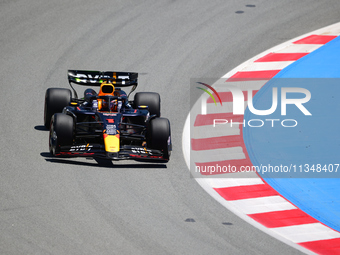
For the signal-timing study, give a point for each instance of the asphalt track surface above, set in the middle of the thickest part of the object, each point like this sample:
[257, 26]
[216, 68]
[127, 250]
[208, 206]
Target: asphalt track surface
[81, 206]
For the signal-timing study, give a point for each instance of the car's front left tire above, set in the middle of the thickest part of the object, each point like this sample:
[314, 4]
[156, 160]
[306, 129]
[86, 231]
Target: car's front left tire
[159, 136]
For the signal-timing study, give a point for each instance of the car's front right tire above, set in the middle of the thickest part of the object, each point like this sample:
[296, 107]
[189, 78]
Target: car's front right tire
[61, 132]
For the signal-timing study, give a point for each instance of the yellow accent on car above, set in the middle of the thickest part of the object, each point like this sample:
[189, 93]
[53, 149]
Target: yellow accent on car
[100, 104]
[112, 143]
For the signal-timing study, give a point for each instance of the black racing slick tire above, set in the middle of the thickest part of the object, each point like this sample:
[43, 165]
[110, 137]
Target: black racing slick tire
[159, 136]
[55, 101]
[150, 99]
[61, 132]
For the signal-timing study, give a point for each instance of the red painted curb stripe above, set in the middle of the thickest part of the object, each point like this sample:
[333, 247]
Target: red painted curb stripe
[245, 192]
[326, 247]
[283, 218]
[253, 75]
[227, 164]
[228, 97]
[316, 39]
[208, 119]
[220, 142]
[276, 57]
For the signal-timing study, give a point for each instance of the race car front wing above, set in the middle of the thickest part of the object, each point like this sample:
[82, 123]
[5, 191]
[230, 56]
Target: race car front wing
[98, 151]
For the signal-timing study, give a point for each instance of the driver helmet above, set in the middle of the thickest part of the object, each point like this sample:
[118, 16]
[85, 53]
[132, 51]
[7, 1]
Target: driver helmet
[107, 89]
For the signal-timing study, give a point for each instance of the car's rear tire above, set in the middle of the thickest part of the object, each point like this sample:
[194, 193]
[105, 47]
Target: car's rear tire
[150, 99]
[61, 132]
[55, 101]
[159, 136]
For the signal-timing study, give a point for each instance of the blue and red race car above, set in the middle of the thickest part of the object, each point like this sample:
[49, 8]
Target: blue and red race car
[106, 124]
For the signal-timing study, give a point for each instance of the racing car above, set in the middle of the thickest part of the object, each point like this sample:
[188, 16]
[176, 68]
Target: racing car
[106, 124]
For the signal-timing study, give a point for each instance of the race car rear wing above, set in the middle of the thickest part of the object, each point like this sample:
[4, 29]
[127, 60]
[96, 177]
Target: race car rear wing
[96, 78]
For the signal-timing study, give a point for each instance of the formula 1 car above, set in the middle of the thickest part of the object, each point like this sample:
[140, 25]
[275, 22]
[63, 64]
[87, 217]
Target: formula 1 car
[106, 124]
